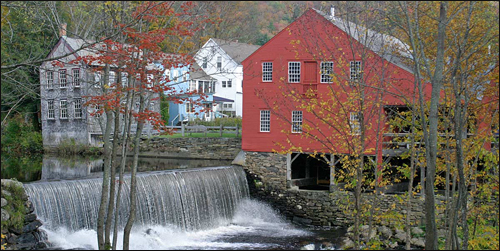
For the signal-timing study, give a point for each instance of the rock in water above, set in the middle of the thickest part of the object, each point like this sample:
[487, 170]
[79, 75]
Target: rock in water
[308, 247]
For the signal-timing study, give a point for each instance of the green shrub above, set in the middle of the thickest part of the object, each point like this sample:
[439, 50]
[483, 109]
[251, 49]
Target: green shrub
[21, 138]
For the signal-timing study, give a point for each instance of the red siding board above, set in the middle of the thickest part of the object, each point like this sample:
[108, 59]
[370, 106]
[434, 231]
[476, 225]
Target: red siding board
[282, 49]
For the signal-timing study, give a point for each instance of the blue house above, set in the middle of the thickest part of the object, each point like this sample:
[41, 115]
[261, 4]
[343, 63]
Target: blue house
[188, 79]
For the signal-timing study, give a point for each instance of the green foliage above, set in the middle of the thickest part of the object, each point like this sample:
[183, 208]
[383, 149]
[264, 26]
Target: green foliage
[71, 147]
[16, 207]
[164, 107]
[22, 168]
[21, 138]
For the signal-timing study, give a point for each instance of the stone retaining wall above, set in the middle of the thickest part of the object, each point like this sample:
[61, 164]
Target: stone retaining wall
[27, 237]
[198, 148]
[266, 173]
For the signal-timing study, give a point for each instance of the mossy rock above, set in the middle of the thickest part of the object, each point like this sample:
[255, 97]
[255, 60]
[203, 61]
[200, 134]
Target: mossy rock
[15, 195]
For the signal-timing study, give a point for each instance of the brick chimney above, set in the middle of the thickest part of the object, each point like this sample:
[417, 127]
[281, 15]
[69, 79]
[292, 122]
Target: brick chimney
[62, 30]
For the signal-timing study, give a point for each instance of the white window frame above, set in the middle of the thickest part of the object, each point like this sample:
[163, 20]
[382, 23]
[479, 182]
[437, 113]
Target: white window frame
[51, 110]
[294, 72]
[76, 77]
[150, 80]
[192, 85]
[219, 63]
[78, 108]
[326, 71]
[267, 71]
[355, 123]
[297, 121]
[97, 79]
[265, 121]
[63, 109]
[228, 105]
[112, 78]
[63, 76]
[205, 63]
[355, 70]
[50, 80]
[189, 107]
[124, 77]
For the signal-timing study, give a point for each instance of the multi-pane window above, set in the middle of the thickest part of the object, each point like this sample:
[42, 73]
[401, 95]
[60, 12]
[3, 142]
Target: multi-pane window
[228, 106]
[97, 79]
[326, 72]
[267, 72]
[62, 79]
[64, 109]
[294, 72]
[96, 110]
[296, 121]
[205, 62]
[265, 121]
[50, 79]
[78, 108]
[355, 70]
[189, 107]
[227, 84]
[50, 109]
[124, 80]
[205, 87]
[219, 63]
[192, 85]
[149, 80]
[112, 78]
[354, 121]
[76, 77]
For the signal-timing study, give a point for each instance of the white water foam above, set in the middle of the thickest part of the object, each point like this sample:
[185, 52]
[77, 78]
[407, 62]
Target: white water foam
[251, 218]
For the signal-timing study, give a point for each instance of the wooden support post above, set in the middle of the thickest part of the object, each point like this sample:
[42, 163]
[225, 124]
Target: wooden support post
[221, 130]
[182, 129]
[237, 131]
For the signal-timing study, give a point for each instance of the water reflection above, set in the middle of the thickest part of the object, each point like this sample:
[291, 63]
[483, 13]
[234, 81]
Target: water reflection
[22, 168]
[50, 167]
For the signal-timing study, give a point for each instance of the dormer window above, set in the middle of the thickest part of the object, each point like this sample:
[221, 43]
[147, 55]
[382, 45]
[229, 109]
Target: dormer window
[219, 63]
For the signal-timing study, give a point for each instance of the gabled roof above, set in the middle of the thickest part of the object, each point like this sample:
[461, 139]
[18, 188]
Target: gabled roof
[386, 46]
[196, 73]
[77, 43]
[237, 51]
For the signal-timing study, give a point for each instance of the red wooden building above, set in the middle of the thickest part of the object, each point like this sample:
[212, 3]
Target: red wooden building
[297, 92]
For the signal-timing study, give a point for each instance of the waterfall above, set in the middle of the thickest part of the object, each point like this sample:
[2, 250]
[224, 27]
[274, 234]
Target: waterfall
[190, 199]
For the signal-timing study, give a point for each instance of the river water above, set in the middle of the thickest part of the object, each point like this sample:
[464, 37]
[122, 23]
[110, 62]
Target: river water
[246, 224]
